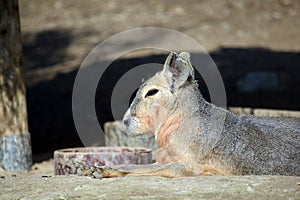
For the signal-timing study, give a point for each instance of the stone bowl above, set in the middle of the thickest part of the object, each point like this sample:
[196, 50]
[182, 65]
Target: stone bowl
[65, 160]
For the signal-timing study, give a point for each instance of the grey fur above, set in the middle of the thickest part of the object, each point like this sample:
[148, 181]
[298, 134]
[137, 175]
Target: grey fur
[213, 136]
[250, 145]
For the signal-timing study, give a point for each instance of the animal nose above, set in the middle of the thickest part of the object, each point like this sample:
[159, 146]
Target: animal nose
[126, 122]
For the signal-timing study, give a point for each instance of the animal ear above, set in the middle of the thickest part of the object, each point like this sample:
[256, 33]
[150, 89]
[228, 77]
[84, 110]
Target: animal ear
[178, 69]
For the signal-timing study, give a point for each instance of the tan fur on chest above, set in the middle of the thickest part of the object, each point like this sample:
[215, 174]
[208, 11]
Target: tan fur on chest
[170, 127]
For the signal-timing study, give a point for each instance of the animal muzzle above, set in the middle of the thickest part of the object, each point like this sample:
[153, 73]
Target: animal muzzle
[130, 123]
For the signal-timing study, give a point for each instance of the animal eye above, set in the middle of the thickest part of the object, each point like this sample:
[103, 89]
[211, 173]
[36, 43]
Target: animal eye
[151, 92]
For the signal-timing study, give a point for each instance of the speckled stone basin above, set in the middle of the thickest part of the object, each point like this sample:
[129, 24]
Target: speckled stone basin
[66, 159]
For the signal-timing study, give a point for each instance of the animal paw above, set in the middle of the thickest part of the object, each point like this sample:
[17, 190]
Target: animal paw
[99, 172]
[108, 172]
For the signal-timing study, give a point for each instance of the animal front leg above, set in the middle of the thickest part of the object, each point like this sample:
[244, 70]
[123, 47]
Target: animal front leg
[170, 170]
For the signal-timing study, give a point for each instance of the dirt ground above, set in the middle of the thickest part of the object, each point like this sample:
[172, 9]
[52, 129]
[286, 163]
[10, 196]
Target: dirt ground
[57, 35]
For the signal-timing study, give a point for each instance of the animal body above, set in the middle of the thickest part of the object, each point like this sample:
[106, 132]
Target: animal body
[198, 138]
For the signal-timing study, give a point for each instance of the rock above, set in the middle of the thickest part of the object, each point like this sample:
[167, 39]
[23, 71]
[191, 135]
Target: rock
[260, 112]
[114, 136]
[240, 110]
[77, 160]
[276, 113]
[150, 187]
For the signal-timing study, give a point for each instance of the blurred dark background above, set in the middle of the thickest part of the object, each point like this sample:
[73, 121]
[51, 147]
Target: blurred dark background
[255, 45]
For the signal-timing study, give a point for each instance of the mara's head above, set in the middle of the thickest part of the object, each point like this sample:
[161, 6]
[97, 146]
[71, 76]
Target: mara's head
[158, 98]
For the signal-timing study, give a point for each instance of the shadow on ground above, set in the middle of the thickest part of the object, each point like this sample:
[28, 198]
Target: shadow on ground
[50, 102]
[46, 48]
